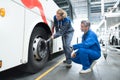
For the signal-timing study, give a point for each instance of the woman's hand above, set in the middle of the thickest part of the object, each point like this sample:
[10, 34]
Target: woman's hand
[73, 55]
[52, 37]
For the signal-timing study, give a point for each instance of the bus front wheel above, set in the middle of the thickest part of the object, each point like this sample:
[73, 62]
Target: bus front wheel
[38, 50]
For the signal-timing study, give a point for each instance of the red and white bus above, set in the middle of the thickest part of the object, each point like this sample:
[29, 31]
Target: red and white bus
[24, 24]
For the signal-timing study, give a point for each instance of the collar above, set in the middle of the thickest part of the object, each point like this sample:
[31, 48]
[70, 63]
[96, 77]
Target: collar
[87, 32]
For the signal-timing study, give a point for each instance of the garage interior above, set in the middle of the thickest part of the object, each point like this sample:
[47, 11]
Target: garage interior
[105, 21]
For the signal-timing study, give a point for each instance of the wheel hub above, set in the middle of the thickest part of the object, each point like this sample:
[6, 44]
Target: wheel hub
[39, 48]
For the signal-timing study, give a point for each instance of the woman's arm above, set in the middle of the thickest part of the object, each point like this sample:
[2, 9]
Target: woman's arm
[62, 30]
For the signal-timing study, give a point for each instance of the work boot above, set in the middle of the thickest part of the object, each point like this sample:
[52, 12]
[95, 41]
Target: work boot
[85, 71]
[68, 65]
[64, 61]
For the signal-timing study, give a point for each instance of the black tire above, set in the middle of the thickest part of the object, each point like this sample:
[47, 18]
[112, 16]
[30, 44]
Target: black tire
[35, 64]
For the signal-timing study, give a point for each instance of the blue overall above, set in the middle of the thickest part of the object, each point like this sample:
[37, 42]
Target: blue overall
[64, 28]
[88, 51]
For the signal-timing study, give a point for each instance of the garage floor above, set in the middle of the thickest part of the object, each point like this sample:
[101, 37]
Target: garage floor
[55, 70]
[103, 70]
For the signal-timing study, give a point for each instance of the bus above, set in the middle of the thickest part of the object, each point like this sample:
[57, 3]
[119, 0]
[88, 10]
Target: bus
[24, 27]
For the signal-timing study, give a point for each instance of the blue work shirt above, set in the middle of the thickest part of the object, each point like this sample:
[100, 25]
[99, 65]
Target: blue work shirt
[89, 41]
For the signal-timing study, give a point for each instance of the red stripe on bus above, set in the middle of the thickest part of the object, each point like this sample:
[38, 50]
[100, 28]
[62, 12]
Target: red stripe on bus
[35, 3]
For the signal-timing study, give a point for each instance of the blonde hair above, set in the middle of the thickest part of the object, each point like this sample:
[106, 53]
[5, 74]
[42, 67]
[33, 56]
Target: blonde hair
[62, 13]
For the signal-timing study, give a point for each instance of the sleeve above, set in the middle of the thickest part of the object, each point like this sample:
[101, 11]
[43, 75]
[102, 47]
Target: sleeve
[86, 44]
[55, 23]
[62, 30]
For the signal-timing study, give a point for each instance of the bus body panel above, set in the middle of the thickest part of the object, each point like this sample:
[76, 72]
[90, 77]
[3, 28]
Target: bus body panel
[11, 33]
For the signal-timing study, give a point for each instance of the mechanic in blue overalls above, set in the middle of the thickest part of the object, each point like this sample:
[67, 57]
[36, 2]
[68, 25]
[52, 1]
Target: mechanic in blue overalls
[63, 27]
[87, 52]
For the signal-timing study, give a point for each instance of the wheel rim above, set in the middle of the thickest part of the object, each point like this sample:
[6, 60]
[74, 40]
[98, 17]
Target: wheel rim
[39, 48]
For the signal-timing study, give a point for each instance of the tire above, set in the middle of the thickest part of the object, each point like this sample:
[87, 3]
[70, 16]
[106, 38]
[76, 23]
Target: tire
[38, 50]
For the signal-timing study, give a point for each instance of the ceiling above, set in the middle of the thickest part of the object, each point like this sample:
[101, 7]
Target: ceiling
[83, 9]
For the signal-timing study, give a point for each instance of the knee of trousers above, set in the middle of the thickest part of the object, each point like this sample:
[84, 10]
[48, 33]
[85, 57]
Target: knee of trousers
[82, 50]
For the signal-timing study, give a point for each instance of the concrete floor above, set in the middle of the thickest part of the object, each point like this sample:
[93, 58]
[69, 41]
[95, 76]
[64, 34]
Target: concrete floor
[104, 70]
[108, 69]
